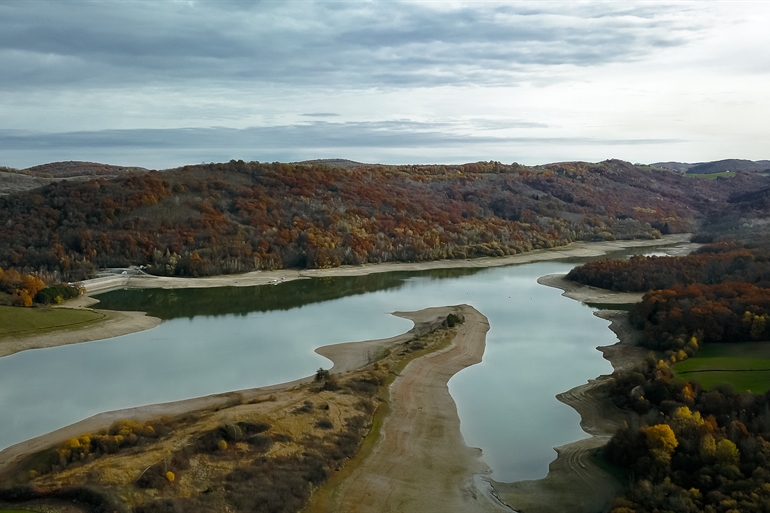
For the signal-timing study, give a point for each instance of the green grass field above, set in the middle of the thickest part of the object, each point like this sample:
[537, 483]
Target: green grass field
[746, 366]
[27, 321]
[711, 176]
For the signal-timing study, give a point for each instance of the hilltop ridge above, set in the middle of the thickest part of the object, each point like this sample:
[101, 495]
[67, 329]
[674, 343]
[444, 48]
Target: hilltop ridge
[237, 217]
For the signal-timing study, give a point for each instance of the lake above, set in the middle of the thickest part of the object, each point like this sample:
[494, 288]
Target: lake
[219, 340]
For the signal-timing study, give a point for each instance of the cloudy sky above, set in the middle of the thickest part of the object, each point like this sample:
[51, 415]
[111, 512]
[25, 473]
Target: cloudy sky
[165, 83]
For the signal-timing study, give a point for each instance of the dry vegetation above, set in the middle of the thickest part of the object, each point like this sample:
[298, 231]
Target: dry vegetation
[265, 455]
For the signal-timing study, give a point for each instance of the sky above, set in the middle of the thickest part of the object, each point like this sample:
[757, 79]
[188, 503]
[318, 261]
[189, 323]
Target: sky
[160, 84]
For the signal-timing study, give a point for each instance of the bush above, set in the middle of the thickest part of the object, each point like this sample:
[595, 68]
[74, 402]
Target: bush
[452, 320]
[50, 294]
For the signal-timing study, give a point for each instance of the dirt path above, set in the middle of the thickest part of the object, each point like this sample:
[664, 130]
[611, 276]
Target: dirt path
[421, 462]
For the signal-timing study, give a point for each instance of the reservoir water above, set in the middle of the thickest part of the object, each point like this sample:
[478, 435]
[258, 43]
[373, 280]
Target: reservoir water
[218, 340]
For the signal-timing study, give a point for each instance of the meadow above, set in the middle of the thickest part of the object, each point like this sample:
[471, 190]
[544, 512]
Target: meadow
[746, 366]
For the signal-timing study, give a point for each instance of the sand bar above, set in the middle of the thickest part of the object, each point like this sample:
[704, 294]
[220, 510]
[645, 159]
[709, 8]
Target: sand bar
[421, 462]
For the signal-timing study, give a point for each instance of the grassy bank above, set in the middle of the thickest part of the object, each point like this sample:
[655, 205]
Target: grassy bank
[33, 321]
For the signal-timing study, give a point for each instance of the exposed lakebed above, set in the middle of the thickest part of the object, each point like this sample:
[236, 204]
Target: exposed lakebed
[218, 340]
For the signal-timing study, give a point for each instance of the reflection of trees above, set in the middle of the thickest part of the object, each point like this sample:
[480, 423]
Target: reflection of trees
[174, 303]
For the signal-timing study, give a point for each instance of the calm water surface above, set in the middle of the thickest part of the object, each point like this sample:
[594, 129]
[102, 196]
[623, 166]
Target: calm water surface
[217, 340]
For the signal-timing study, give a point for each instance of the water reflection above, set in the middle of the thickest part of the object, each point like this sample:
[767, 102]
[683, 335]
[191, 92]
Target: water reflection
[175, 303]
[539, 344]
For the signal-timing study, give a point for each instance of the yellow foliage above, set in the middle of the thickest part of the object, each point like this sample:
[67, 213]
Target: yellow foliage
[661, 441]
[688, 393]
[708, 447]
[727, 453]
[684, 418]
[23, 298]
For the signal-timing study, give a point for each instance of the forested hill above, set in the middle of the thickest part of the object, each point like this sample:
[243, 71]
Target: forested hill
[237, 217]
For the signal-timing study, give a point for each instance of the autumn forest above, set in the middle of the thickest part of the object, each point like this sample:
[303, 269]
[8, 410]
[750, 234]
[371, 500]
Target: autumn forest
[236, 217]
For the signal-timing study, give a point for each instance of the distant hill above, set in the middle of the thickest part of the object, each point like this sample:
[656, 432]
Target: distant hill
[682, 167]
[334, 163]
[18, 180]
[718, 166]
[76, 169]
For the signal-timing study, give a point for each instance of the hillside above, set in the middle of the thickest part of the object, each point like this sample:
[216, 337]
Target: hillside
[13, 181]
[237, 217]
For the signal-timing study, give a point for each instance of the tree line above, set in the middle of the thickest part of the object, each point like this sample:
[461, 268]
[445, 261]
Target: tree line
[687, 449]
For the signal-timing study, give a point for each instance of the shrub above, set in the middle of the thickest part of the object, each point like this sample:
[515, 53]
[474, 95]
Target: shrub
[454, 319]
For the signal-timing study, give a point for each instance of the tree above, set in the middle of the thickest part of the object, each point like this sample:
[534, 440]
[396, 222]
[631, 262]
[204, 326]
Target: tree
[727, 453]
[661, 441]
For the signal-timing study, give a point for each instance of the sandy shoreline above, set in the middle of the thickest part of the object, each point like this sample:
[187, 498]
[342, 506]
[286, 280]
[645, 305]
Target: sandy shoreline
[572, 250]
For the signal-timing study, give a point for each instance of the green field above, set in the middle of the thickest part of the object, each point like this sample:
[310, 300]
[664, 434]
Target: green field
[29, 321]
[746, 366]
[711, 176]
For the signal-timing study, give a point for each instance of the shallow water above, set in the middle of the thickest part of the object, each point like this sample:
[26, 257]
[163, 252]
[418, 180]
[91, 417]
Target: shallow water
[218, 340]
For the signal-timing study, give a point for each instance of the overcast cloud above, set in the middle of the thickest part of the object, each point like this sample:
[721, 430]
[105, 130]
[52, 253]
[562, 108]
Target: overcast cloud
[160, 84]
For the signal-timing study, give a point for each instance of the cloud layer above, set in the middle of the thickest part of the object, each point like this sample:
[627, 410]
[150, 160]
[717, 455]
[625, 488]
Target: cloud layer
[395, 76]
